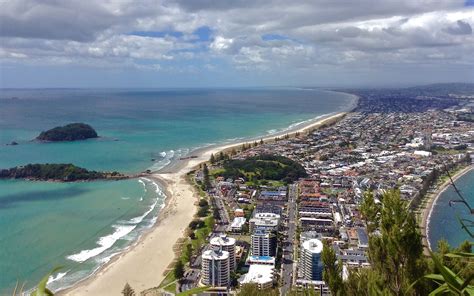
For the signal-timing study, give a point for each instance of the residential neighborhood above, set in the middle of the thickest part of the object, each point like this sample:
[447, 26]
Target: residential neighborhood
[269, 230]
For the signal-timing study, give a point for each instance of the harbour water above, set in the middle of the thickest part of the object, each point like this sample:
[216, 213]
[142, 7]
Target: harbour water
[444, 221]
[81, 226]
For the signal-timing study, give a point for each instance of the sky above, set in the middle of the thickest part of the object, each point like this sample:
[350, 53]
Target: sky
[235, 43]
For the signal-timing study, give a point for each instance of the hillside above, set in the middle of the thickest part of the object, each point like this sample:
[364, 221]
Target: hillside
[56, 172]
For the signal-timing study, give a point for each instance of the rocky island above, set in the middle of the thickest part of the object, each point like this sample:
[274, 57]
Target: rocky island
[70, 132]
[57, 172]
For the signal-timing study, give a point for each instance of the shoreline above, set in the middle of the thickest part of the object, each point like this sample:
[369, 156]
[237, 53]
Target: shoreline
[142, 264]
[431, 203]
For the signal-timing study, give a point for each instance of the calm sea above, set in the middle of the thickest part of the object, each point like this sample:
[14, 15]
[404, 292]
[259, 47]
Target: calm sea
[83, 225]
[444, 221]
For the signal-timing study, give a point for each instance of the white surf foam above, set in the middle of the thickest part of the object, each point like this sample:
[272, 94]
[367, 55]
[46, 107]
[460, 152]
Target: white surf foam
[104, 243]
[58, 276]
[140, 218]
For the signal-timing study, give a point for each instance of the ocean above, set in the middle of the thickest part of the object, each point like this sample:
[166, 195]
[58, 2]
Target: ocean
[444, 220]
[81, 226]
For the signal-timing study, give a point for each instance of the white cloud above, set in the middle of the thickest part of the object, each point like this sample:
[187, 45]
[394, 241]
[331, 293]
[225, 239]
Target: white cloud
[311, 34]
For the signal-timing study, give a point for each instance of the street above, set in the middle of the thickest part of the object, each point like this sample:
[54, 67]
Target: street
[288, 243]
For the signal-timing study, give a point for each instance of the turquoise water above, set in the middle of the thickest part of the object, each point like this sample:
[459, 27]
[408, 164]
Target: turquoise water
[82, 225]
[444, 223]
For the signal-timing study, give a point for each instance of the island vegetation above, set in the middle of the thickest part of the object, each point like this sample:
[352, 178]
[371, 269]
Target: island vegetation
[57, 172]
[263, 167]
[70, 132]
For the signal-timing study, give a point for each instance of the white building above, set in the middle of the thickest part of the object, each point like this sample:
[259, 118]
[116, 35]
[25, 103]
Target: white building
[227, 244]
[215, 268]
[237, 224]
[263, 243]
[269, 221]
[259, 274]
[310, 262]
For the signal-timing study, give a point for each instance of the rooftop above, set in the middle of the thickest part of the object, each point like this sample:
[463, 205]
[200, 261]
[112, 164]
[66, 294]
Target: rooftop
[223, 240]
[259, 274]
[314, 246]
[215, 255]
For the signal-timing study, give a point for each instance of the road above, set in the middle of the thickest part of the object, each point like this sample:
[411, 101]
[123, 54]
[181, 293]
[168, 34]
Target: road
[288, 243]
[191, 277]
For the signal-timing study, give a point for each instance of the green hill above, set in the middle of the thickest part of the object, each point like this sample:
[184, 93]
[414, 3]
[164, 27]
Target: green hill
[70, 132]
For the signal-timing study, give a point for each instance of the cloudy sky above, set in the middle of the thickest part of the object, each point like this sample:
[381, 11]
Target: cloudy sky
[192, 43]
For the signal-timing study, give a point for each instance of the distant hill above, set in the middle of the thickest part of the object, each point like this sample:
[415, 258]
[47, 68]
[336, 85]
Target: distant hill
[70, 132]
[444, 88]
[57, 172]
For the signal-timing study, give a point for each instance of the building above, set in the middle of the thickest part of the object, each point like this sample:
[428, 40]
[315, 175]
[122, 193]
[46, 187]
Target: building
[268, 208]
[215, 268]
[269, 221]
[263, 242]
[279, 195]
[262, 260]
[237, 224]
[260, 274]
[324, 225]
[307, 235]
[227, 244]
[311, 263]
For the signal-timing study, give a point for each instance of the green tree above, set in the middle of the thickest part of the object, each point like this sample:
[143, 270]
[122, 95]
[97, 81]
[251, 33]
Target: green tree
[370, 212]
[332, 272]
[252, 290]
[212, 159]
[203, 203]
[396, 254]
[304, 292]
[206, 178]
[364, 282]
[179, 270]
[188, 251]
[128, 291]
[448, 282]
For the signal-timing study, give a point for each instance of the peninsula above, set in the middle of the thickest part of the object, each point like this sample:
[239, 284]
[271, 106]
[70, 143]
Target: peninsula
[57, 172]
[70, 132]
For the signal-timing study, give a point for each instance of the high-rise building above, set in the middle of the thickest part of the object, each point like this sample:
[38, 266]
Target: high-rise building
[263, 242]
[269, 221]
[215, 268]
[311, 263]
[226, 244]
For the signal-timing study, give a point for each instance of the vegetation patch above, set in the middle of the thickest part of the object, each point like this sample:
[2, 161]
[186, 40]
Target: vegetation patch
[70, 132]
[56, 172]
[264, 167]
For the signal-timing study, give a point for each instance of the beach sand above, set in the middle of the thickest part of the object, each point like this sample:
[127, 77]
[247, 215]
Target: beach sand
[426, 214]
[143, 266]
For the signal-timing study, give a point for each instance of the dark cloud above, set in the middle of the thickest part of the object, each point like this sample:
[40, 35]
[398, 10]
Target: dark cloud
[460, 28]
[56, 20]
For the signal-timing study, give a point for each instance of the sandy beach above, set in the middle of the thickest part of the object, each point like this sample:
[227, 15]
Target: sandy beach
[144, 264]
[426, 214]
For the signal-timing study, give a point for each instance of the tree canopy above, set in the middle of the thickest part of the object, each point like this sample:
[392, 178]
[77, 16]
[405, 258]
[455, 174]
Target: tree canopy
[264, 167]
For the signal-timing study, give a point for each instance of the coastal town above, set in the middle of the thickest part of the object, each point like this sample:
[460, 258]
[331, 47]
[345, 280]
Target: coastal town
[266, 231]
